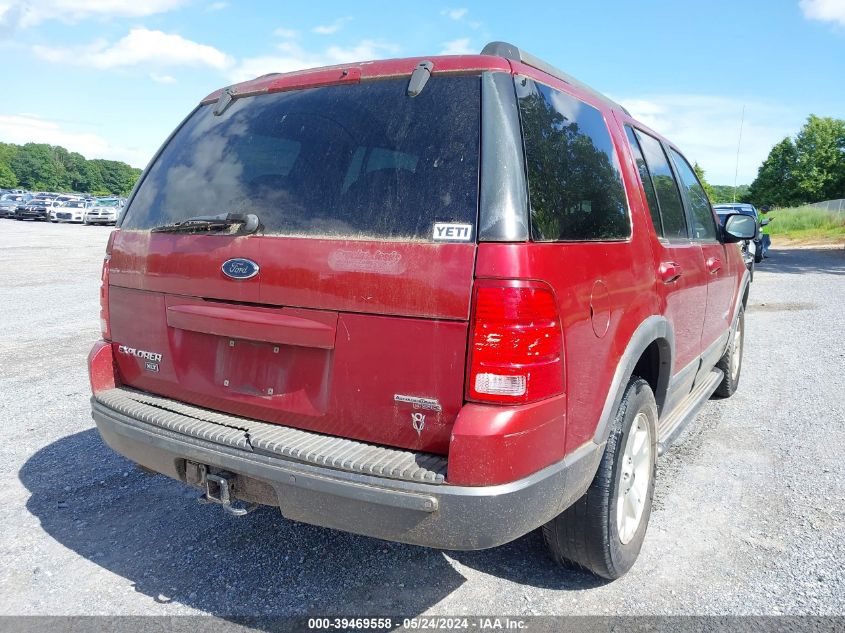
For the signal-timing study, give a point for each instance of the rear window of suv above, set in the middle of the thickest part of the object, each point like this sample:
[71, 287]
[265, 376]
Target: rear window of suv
[362, 161]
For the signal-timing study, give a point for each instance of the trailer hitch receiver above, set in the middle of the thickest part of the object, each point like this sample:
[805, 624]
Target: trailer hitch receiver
[219, 489]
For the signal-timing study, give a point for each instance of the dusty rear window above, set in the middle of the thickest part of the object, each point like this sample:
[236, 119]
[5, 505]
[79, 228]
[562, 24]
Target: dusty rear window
[357, 161]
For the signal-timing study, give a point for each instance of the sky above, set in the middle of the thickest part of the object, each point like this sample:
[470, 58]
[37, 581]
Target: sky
[112, 78]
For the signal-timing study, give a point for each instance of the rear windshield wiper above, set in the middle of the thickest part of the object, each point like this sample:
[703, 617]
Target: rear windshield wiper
[247, 223]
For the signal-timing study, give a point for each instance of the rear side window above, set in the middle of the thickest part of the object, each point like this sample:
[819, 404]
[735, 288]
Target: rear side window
[645, 177]
[668, 196]
[574, 181]
[703, 227]
[360, 161]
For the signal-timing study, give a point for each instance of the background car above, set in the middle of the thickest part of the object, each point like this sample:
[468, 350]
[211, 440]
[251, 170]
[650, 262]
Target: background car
[36, 209]
[104, 211]
[69, 211]
[9, 202]
[755, 247]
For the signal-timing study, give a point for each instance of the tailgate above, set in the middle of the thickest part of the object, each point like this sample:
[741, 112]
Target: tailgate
[347, 312]
[320, 339]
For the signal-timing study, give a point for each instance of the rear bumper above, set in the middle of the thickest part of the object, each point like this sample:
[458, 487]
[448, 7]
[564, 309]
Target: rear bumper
[433, 515]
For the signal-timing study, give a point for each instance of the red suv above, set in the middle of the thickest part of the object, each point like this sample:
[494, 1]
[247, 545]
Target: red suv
[442, 301]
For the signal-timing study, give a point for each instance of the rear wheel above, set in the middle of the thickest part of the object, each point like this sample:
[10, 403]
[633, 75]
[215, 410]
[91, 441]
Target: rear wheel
[604, 530]
[731, 362]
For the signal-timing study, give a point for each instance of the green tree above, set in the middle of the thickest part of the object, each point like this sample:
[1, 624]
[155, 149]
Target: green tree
[810, 169]
[42, 167]
[7, 177]
[83, 175]
[7, 153]
[117, 177]
[699, 171]
[35, 168]
[61, 163]
[821, 159]
[727, 193]
[777, 179]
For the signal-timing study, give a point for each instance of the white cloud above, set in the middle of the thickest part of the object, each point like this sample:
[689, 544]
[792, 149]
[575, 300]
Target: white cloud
[292, 56]
[459, 15]
[140, 46]
[26, 13]
[454, 14]
[459, 46]
[288, 34]
[29, 128]
[10, 18]
[162, 79]
[706, 129]
[330, 29]
[824, 10]
[217, 6]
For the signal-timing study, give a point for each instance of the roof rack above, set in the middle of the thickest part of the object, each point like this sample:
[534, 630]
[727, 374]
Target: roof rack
[509, 51]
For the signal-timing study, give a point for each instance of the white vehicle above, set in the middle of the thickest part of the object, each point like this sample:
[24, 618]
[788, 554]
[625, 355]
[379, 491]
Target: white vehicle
[69, 211]
[104, 211]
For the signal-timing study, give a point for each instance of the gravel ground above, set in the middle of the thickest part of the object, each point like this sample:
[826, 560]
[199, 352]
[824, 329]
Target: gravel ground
[749, 515]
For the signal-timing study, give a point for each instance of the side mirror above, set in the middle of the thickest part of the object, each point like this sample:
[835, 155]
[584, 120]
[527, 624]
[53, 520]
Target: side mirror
[739, 227]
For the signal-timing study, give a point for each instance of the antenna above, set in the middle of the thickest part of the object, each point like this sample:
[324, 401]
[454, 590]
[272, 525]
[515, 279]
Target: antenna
[738, 145]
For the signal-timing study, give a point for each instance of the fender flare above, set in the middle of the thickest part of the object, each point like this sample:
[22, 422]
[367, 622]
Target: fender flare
[654, 328]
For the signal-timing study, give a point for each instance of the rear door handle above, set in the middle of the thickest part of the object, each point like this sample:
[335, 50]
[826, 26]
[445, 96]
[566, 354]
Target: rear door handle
[714, 265]
[669, 272]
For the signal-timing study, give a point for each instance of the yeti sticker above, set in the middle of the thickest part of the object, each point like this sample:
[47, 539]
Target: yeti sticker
[452, 232]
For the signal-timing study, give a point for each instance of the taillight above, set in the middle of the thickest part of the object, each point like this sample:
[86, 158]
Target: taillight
[105, 326]
[517, 345]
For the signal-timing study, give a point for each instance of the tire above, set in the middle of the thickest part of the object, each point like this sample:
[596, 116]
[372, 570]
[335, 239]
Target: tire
[731, 362]
[588, 534]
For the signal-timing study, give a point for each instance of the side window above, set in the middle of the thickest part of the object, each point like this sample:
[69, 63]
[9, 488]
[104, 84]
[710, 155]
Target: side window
[704, 227]
[574, 180]
[668, 196]
[645, 177]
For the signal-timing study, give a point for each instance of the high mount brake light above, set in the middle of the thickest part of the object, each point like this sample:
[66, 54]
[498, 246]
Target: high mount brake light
[517, 344]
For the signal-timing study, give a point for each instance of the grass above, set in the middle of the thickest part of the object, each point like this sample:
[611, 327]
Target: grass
[807, 224]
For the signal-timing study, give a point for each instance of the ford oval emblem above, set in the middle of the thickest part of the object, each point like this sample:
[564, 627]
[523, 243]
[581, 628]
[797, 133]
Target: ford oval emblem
[240, 268]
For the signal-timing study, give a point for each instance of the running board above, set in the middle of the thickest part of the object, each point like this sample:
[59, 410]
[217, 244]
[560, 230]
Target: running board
[669, 427]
